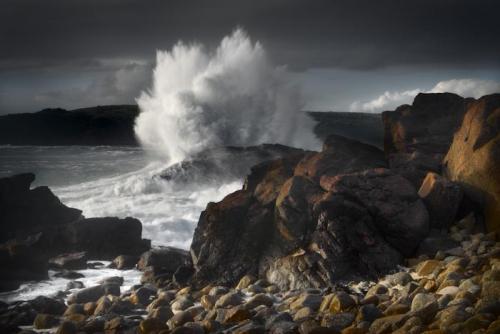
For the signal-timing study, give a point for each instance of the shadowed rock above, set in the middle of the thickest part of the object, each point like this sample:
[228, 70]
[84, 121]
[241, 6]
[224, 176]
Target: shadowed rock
[26, 211]
[417, 136]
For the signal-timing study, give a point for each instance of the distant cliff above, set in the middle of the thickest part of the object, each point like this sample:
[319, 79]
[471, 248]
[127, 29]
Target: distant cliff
[101, 125]
[114, 125]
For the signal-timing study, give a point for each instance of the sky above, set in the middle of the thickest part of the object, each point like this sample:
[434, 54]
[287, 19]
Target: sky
[346, 55]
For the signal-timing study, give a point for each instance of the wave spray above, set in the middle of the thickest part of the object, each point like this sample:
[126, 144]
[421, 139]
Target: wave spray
[232, 96]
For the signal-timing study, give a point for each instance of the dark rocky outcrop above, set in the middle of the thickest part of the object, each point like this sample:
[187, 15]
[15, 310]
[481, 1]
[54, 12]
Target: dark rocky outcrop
[25, 211]
[105, 238]
[417, 136]
[473, 159]
[36, 226]
[282, 225]
[101, 125]
[231, 234]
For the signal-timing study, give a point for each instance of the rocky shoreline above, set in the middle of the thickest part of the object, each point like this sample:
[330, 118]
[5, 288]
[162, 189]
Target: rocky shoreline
[351, 239]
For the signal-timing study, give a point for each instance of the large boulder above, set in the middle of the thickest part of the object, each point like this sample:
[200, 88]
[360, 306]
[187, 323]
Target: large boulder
[332, 216]
[397, 211]
[361, 227]
[26, 211]
[106, 238]
[230, 237]
[417, 136]
[474, 156]
[161, 264]
[232, 234]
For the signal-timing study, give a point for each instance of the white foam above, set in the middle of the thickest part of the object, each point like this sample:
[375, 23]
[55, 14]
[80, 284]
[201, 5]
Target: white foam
[169, 213]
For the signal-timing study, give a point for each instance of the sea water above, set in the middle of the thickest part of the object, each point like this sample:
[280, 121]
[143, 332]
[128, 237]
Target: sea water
[112, 181]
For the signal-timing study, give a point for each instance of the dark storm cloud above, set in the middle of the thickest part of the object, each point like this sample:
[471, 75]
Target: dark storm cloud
[303, 34]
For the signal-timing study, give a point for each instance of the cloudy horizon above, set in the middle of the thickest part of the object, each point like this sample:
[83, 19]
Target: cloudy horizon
[347, 55]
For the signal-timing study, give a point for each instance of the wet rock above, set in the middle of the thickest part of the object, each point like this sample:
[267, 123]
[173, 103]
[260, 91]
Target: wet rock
[425, 306]
[259, 299]
[245, 281]
[48, 305]
[113, 280]
[143, 296]
[92, 294]
[428, 267]
[45, 321]
[250, 328]
[208, 302]
[70, 261]
[388, 324]
[236, 315]
[337, 322]
[74, 309]
[182, 304]
[68, 274]
[452, 315]
[229, 299]
[74, 285]
[163, 313]
[307, 300]
[123, 262]
[179, 319]
[151, 325]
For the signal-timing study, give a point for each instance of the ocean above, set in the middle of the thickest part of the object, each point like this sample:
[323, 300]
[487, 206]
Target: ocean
[112, 181]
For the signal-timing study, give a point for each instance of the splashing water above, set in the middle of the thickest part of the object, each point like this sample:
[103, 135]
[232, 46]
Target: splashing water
[232, 96]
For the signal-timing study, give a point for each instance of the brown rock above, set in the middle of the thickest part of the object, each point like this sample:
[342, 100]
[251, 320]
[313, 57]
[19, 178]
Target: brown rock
[417, 137]
[473, 158]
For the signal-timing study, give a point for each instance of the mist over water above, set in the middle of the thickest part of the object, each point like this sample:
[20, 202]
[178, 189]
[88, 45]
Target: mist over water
[230, 96]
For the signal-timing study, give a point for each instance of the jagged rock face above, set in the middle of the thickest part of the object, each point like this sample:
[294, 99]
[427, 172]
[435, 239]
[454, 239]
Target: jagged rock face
[38, 226]
[232, 234]
[417, 137]
[391, 200]
[25, 211]
[312, 221]
[474, 156]
[340, 155]
[229, 238]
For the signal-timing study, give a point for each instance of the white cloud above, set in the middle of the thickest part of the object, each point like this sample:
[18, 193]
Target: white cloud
[385, 100]
[464, 87]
